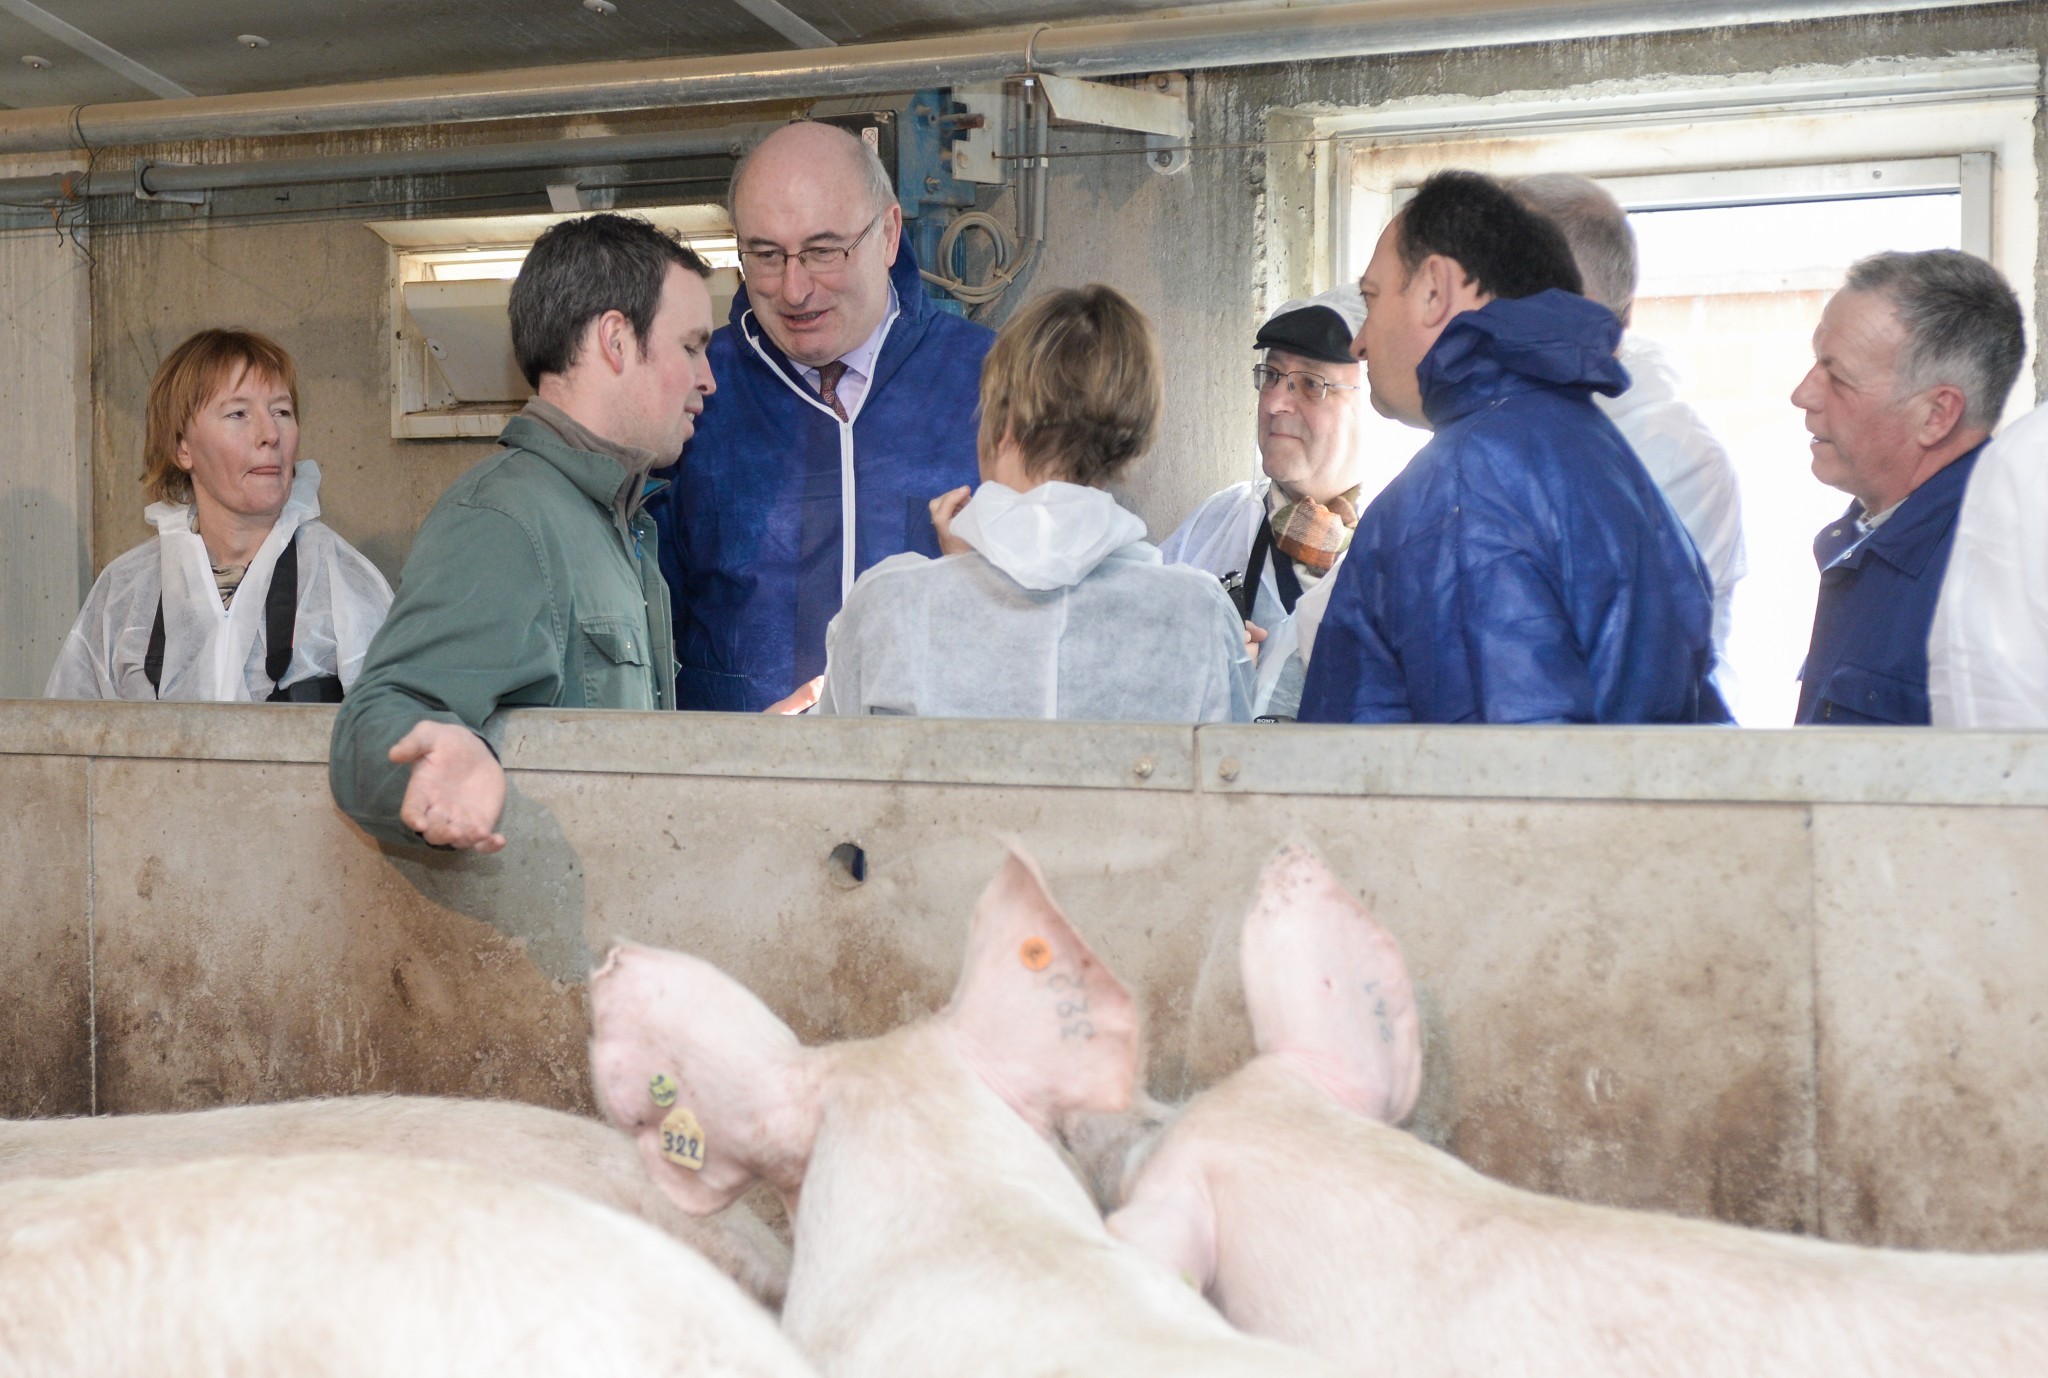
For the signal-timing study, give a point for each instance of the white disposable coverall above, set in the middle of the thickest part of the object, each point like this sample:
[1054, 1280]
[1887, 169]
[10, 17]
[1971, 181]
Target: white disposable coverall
[1987, 651]
[214, 654]
[1687, 464]
[1217, 537]
[1061, 610]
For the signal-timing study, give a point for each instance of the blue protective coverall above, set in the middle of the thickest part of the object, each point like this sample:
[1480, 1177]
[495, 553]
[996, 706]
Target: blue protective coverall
[1867, 662]
[751, 525]
[1523, 567]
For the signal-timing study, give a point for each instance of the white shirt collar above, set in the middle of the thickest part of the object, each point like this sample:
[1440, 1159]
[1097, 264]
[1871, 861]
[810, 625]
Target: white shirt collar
[860, 360]
[1870, 521]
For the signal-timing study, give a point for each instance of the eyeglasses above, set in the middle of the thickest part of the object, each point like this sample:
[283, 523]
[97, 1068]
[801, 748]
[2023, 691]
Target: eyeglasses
[824, 260]
[1313, 386]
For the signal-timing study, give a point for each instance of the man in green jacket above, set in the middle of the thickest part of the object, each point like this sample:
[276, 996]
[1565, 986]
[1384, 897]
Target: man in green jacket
[534, 580]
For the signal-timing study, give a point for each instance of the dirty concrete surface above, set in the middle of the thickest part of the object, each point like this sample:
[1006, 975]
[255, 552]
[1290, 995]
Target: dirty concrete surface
[1787, 1015]
[46, 1053]
[251, 947]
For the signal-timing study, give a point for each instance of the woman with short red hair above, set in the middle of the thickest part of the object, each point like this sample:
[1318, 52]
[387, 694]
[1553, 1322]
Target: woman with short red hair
[245, 595]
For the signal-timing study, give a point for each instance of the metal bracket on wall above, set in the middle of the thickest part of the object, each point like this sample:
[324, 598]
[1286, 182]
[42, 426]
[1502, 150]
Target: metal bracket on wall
[1158, 110]
[978, 148]
[143, 193]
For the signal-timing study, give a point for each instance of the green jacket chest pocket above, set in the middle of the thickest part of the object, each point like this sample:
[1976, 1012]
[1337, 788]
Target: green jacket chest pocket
[614, 652]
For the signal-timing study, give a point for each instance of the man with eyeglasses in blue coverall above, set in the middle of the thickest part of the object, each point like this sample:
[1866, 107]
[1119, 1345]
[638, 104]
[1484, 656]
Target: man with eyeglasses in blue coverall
[845, 409]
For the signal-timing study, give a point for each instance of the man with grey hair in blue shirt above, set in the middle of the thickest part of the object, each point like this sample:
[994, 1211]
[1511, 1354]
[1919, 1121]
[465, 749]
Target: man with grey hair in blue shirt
[1912, 363]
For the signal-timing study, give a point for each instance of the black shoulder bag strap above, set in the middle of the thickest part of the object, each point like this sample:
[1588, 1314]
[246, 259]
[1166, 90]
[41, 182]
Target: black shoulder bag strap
[281, 615]
[280, 623]
[1284, 577]
[153, 658]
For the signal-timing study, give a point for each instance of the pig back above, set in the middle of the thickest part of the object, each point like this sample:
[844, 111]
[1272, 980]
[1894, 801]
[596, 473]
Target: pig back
[342, 1264]
[563, 1150]
[1356, 1240]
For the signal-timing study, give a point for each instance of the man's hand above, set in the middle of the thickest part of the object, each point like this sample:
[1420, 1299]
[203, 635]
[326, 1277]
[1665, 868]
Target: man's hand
[806, 694]
[457, 792]
[1253, 635]
[944, 508]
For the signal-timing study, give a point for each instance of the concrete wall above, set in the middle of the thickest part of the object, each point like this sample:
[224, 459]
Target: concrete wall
[320, 287]
[1206, 253]
[46, 465]
[1786, 979]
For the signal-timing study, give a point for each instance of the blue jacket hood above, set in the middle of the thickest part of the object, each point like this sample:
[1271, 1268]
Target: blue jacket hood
[1555, 339]
[1524, 566]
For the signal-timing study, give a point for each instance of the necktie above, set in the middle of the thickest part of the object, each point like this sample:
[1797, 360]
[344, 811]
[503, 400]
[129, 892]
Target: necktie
[828, 385]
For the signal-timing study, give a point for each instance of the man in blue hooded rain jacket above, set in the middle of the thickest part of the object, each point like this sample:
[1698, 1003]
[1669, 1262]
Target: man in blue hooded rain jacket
[1523, 567]
[845, 405]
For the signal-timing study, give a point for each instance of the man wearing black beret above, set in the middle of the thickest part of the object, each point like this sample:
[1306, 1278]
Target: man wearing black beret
[1276, 539]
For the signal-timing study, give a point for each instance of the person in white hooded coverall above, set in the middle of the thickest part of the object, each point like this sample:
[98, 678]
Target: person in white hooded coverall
[221, 458]
[1050, 602]
[1687, 463]
[1987, 651]
[1279, 538]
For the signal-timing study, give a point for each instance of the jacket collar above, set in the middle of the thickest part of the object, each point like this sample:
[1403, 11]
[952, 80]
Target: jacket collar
[1555, 340]
[598, 477]
[913, 307]
[1910, 536]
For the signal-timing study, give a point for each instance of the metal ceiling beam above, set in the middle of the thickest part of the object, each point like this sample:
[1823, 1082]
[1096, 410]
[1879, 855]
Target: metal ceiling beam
[177, 180]
[1233, 39]
[791, 26]
[84, 44]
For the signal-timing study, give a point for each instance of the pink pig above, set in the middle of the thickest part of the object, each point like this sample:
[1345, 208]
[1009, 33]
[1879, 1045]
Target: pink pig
[1287, 1195]
[357, 1265]
[568, 1151]
[937, 1230]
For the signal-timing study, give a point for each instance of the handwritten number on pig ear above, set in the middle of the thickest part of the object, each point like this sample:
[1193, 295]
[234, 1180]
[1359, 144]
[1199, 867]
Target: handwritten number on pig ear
[1379, 1011]
[1074, 1002]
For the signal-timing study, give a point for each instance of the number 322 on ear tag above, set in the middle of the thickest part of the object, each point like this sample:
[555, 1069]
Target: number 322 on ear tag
[682, 1139]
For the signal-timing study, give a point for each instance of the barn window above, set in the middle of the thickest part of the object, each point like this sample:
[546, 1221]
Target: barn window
[452, 371]
[1749, 199]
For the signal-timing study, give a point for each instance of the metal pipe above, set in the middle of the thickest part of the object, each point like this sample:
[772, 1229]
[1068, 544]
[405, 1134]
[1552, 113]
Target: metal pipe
[158, 178]
[1040, 107]
[1233, 39]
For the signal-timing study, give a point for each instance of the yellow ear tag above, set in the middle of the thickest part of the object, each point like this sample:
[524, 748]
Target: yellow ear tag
[662, 1088]
[682, 1139]
[1036, 954]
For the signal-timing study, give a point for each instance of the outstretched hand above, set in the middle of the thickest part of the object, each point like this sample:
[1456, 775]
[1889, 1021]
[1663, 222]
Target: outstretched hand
[944, 508]
[457, 792]
[799, 701]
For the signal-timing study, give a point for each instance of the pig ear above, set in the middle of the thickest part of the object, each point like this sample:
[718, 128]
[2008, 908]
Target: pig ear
[710, 1083]
[1037, 1013]
[1326, 985]
[1171, 1220]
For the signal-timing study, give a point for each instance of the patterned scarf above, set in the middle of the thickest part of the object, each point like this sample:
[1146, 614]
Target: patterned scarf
[1313, 534]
